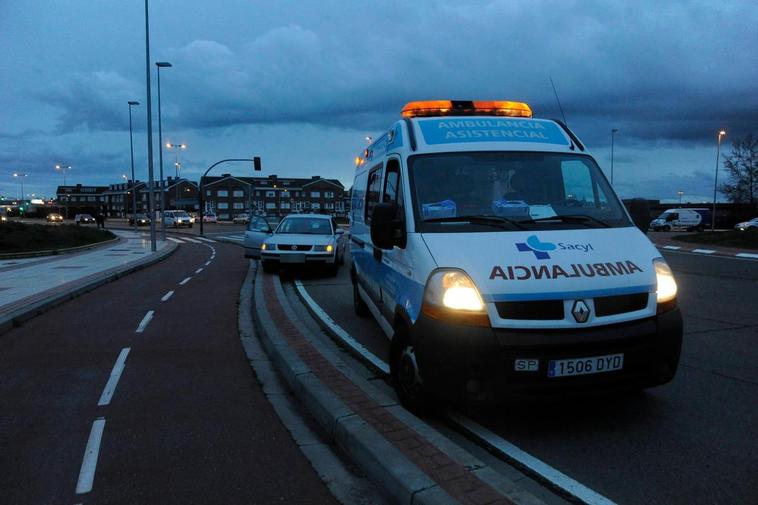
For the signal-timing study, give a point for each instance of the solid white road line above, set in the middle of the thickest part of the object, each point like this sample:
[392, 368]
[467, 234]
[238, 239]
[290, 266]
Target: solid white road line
[191, 240]
[185, 281]
[342, 334]
[110, 387]
[145, 321]
[704, 251]
[561, 480]
[239, 239]
[207, 262]
[89, 463]
[175, 240]
[167, 296]
[672, 247]
[206, 239]
[199, 270]
[747, 255]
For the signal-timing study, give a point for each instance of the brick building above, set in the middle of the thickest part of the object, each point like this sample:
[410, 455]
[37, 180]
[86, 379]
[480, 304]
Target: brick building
[228, 195]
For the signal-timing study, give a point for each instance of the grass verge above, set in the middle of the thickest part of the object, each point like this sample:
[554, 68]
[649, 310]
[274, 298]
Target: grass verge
[22, 237]
[733, 238]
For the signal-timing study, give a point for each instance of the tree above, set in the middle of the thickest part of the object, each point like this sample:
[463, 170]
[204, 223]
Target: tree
[742, 166]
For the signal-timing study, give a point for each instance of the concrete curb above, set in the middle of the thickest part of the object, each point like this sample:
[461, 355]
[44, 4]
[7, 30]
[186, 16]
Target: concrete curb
[386, 465]
[58, 252]
[18, 316]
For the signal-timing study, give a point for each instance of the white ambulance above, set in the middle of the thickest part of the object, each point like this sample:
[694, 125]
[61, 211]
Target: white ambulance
[494, 254]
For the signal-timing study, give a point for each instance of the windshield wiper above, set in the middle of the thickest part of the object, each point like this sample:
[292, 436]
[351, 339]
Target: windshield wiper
[570, 218]
[483, 219]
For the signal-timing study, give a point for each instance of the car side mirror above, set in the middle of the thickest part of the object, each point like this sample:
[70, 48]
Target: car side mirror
[387, 230]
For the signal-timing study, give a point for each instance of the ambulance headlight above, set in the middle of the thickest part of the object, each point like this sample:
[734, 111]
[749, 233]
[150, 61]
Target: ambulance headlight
[665, 284]
[452, 295]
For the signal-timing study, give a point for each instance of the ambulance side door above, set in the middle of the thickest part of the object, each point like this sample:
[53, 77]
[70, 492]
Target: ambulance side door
[369, 278]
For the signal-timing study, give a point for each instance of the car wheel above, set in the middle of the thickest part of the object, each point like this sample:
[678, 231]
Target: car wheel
[359, 306]
[406, 374]
[268, 266]
[700, 228]
[666, 228]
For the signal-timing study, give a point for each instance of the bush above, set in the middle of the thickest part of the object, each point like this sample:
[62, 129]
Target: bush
[21, 237]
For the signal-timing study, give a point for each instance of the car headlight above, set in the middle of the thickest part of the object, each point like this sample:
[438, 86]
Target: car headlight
[665, 284]
[268, 247]
[327, 248]
[452, 295]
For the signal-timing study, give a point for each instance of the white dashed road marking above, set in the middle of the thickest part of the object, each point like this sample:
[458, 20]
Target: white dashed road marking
[704, 251]
[167, 296]
[145, 321]
[747, 255]
[672, 247]
[185, 281]
[91, 453]
[199, 270]
[207, 262]
[206, 239]
[238, 239]
[110, 387]
[191, 240]
[175, 240]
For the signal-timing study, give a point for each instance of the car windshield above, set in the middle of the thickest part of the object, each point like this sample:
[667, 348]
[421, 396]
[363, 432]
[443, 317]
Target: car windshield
[308, 226]
[485, 191]
[181, 213]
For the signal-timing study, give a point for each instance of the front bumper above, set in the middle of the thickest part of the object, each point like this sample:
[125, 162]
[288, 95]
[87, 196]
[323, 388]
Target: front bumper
[295, 258]
[477, 364]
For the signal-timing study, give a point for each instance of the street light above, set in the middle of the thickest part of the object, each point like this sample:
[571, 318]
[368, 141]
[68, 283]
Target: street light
[159, 65]
[177, 165]
[681, 194]
[64, 169]
[613, 134]
[150, 178]
[721, 133]
[21, 176]
[131, 148]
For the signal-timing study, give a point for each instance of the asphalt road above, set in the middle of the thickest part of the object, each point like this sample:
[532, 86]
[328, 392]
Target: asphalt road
[187, 422]
[692, 441]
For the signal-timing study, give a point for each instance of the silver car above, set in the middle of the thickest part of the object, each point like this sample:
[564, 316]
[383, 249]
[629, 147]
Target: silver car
[747, 225]
[299, 239]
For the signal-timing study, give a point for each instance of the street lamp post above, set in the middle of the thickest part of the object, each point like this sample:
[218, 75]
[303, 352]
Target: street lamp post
[150, 178]
[613, 134]
[681, 194]
[159, 65]
[21, 177]
[177, 164]
[131, 149]
[64, 169]
[721, 133]
[256, 166]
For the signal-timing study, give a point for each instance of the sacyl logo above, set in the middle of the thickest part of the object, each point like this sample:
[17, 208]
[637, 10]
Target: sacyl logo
[534, 245]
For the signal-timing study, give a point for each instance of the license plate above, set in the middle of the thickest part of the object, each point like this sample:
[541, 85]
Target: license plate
[292, 258]
[585, 366]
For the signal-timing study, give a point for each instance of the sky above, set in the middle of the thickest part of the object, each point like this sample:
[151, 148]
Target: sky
[302, 83]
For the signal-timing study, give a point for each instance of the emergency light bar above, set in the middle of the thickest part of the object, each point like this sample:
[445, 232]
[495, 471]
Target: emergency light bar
[430, 108]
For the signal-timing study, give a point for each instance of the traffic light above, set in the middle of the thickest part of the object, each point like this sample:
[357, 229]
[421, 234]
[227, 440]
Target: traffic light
[257, 163]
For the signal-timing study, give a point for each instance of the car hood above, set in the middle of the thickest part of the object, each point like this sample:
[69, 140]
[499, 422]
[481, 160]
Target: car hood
[300, 239]
[554, 264]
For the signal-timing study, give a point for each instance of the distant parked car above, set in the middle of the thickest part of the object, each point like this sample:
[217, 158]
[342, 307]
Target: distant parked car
[243, 218]
[142, 219]
[177, 218]
[751, 225]
[210, 217]
[54, 218]
[84, 219]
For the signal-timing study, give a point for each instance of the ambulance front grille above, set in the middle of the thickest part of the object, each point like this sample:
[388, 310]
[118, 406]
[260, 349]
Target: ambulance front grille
[552, 310]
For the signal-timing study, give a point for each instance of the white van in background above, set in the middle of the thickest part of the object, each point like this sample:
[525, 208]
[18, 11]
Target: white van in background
[682, 219]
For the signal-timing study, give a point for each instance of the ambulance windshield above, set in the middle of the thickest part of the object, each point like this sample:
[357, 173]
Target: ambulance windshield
[529, 190]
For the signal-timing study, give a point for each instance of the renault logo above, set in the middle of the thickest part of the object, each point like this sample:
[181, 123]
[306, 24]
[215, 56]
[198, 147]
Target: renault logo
[580, 311]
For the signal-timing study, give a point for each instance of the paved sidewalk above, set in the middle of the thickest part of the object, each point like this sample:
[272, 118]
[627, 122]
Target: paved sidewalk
[28, 285]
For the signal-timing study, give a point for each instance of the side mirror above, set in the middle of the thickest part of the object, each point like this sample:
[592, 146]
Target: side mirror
[639, 209]
[386, 230]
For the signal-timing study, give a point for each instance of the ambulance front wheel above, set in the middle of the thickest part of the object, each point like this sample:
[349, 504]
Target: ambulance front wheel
[406, 374]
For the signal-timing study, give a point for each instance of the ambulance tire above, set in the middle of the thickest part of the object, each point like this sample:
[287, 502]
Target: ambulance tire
[359, 306]
[406, 376]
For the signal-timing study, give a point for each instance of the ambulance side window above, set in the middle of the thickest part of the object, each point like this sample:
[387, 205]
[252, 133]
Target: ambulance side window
[392, 192]
[373, 191]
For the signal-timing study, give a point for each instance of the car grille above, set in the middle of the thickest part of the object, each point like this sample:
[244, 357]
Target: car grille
[552, 310]
[293, 247]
